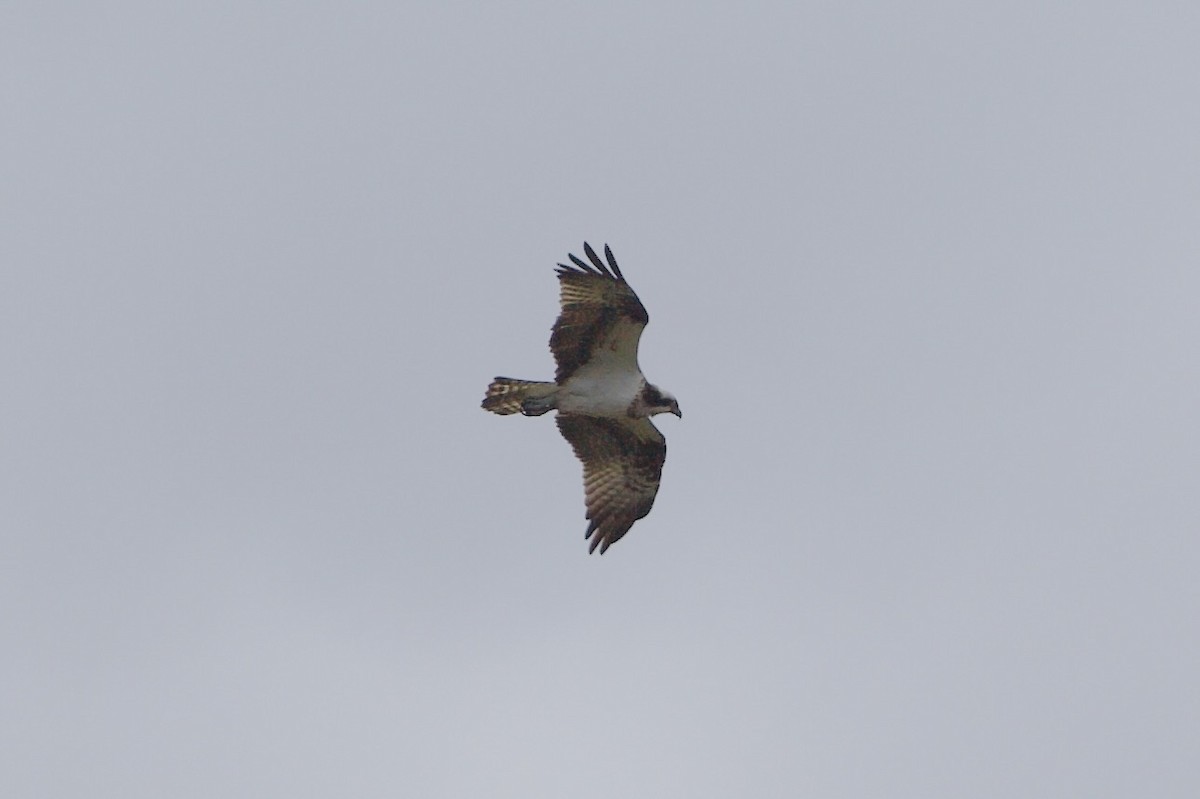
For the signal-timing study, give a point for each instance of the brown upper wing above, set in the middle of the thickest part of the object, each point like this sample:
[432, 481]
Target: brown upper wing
[622, 467]
[598, 306]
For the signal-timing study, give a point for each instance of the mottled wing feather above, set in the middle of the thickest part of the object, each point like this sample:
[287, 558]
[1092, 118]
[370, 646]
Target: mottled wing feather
[622, 466]
[595, 301]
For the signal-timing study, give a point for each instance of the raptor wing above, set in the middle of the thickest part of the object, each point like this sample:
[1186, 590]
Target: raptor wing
[622, 467]
[601, 319]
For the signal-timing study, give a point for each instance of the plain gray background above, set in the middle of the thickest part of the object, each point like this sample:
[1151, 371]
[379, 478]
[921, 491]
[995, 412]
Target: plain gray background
[923, 277]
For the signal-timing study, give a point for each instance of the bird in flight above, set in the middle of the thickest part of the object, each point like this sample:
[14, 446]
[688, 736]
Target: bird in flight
[603, 400]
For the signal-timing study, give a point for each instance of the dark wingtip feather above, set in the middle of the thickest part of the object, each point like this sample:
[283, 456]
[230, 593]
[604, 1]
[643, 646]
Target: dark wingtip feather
[586, 267]
[613, 262]
[595, 541]
[595, 259]
[596, 267]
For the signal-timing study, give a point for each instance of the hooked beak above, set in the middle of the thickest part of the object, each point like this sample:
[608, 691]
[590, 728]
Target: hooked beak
[677, 412]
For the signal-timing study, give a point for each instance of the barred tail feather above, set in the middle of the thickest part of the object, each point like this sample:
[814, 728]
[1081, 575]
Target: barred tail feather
[531, 397]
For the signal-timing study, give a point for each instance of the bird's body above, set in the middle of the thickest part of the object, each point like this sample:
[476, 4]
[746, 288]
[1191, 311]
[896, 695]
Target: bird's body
[603, 400]
[599, 392]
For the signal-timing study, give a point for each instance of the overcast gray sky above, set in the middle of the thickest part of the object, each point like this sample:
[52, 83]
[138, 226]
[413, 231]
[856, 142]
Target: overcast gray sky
[924, 278]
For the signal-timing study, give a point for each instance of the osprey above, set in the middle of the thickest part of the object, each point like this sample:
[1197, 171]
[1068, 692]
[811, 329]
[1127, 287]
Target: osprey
[603, 401]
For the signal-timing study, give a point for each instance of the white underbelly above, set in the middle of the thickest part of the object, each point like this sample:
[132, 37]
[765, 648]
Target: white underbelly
[599, 394]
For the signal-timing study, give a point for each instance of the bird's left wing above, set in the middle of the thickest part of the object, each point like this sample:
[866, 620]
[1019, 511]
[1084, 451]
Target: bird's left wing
[600, 317]
[622, 466]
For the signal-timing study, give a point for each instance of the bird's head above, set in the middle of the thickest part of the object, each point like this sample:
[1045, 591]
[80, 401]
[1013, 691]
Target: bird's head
[658, 401]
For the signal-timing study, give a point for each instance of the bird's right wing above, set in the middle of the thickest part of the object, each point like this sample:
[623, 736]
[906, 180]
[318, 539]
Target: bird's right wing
[622, 467]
